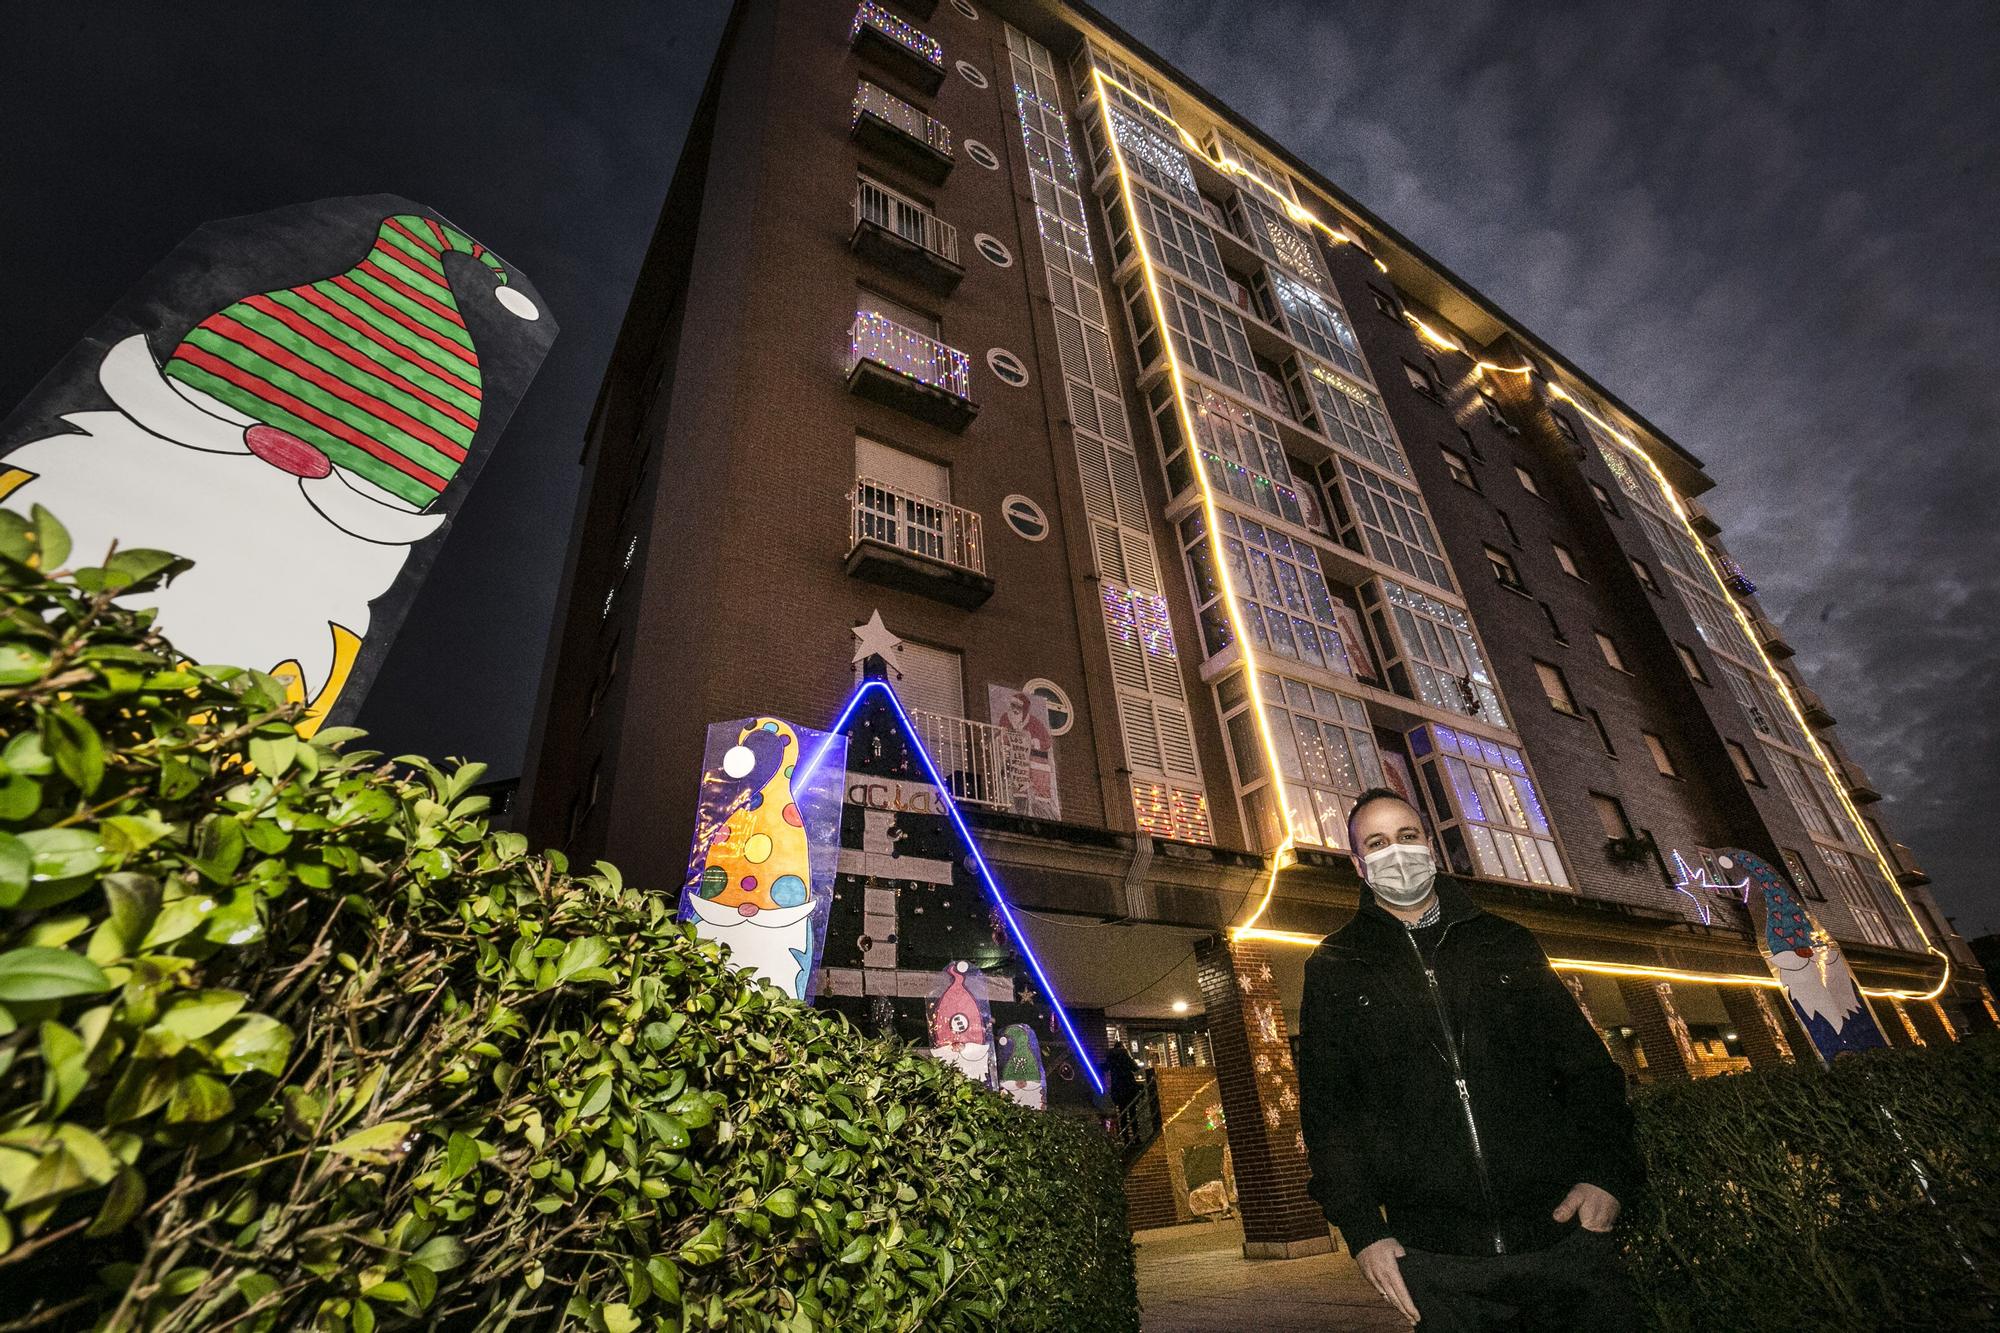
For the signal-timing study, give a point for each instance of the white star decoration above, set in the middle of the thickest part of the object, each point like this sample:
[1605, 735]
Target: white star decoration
[1264, 971]
[872, 639]
[1271, 1116]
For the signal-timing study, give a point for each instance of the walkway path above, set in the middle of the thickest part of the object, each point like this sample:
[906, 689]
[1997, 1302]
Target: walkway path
[1194, 1279]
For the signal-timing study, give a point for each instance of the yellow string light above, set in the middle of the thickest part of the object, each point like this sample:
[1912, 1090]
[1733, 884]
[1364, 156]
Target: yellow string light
[1299, 213]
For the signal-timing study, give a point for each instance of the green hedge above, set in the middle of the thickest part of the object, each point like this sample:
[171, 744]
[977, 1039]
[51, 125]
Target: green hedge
[1866, 1196]
[290, 1038]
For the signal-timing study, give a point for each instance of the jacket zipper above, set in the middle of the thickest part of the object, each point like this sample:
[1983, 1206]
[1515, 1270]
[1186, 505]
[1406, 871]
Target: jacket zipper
[1458, 1077]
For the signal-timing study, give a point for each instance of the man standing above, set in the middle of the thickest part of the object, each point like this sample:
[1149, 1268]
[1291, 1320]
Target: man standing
[1450, 1080]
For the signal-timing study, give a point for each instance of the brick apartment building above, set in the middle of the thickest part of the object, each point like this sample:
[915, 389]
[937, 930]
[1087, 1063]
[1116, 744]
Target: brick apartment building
[977, 338]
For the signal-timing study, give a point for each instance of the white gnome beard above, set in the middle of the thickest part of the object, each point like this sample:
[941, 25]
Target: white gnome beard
[272, 570]
[1829, 996]
[771, 949]
[971, 1059]
[1028, 1094]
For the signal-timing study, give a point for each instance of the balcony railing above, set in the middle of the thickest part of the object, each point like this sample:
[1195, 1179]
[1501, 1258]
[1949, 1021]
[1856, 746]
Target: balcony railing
[918, 141]
[1908, 872]
[902, 234]
[982, 764]
[911, 370]
[912, 52]
[1859, 785]
[934, 529]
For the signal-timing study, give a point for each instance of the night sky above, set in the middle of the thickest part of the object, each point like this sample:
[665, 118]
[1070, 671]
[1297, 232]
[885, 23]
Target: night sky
[1767, 227]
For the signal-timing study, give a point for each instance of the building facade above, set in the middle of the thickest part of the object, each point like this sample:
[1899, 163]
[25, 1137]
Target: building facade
[1182, 500]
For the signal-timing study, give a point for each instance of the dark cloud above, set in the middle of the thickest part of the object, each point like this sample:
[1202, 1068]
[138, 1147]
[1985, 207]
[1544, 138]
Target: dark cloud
[1768, 228]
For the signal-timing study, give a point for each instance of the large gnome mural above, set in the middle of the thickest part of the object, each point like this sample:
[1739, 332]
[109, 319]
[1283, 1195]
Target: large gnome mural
[755, 882]
[961, 1026]
[298, 402]
[1816, 978]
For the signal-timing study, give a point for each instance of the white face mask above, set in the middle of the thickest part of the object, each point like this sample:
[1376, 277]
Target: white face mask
[1400, 874]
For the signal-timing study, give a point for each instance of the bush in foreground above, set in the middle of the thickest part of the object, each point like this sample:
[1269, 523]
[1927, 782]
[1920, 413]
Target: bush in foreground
[1866, 1196]
[290, 1038]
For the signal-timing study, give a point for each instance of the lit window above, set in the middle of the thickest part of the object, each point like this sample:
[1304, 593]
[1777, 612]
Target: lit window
[1556, 687]
[1692, 663]
[1661, 759]
[1393, 521]
[1744, 768]
[1611, 815]
[1610, 651]
[1566, 560]
[1461, 471]
[1490, 816]
[1645, 575]
[1504, 572]
[1527, 479]
[1326, 754]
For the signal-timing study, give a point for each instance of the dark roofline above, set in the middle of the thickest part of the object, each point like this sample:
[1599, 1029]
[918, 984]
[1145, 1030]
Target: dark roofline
[1291, 160]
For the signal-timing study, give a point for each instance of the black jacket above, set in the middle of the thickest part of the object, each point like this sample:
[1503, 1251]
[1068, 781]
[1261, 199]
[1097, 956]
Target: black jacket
[1387, 1127]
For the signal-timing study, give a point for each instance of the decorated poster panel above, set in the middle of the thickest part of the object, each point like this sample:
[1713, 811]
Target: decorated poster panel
[1817, 979]
[961, 1026]
[1021, 1075]
[908, 904]
[1027, 715]
[298, 402]
[767, 847]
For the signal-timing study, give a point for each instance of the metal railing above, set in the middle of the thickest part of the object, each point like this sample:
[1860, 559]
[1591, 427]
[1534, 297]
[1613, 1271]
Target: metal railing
[934, 529]
[982, 764]
[906, 35]
[906, 218]
[894, 111]
[875, 337]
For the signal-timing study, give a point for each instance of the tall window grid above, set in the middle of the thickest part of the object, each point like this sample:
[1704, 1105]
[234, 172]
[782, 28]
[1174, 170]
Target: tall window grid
[1436, 657]
[1489, 815]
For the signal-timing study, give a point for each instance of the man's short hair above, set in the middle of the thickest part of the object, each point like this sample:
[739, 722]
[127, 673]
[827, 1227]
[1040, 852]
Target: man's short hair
[1368, 798]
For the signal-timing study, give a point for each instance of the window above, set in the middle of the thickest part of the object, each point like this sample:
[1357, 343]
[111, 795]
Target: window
[1326, 754]
[1316, 322]
[1612, 658]
[1562, 424]
[1555, 626]
[1508, 524]
[1744, 768]
[1504, 572]
[1493, 412]
[1350, 414]
[1471, 445]
[1692, 663]
[1604, 500]
[1061, 715]
[1440, 660]
[1644, 572]
[1210, 337]
[1490, 815]
[1527, 480]
[1385, 303]
[1611, 815]
[1556, 687]
[1461, 471]
[1801, 876]
[930, 679]
[1280, 590]
[1603, 732]
[1393, 522]
[1565, 559]
[902, 500]
[897, 313]
[1661, 759]
[1420, 380]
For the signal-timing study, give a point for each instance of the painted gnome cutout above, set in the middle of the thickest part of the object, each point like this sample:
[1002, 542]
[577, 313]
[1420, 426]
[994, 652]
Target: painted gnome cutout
[305, 445]
[1021, 1075]
[961, 1026]
[1817, 980]
[766, 842]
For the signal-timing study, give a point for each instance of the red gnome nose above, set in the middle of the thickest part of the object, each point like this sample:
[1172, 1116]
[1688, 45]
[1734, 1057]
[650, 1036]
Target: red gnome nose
[286, 452]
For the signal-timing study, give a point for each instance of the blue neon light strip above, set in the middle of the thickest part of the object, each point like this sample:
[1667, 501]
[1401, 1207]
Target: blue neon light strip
[972, 846]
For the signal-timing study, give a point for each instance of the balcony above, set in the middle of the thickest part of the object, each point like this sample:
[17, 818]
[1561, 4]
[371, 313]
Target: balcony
[1858, 785]
[897, 46]
[982, 764]
[916, 543]
[1700, 519]
[900, 234]
[899, 133]
[902, 368]
[1908, 873]
[1769, 638]
[1814, 707]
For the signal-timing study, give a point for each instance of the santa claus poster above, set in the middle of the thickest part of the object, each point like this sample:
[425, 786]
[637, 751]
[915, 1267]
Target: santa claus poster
[1805, 960]
[298, 401]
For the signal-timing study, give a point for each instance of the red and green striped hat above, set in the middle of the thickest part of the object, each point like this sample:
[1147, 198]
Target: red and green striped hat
[374, 367]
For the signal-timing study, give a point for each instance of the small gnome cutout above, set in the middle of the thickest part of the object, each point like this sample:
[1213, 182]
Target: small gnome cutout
[1817, 980]
[755, 890]
[295, 443]
[1021, 1075]
[961, 1023]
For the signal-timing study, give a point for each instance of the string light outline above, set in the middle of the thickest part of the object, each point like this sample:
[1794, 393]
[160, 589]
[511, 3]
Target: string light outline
[1298, 213]
[973, 854]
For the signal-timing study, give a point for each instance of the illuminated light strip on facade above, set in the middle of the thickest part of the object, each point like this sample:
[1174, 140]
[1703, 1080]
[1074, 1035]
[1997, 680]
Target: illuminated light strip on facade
[1279, 861]
[1834, 781]
[1212, 514]
[973, 854]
